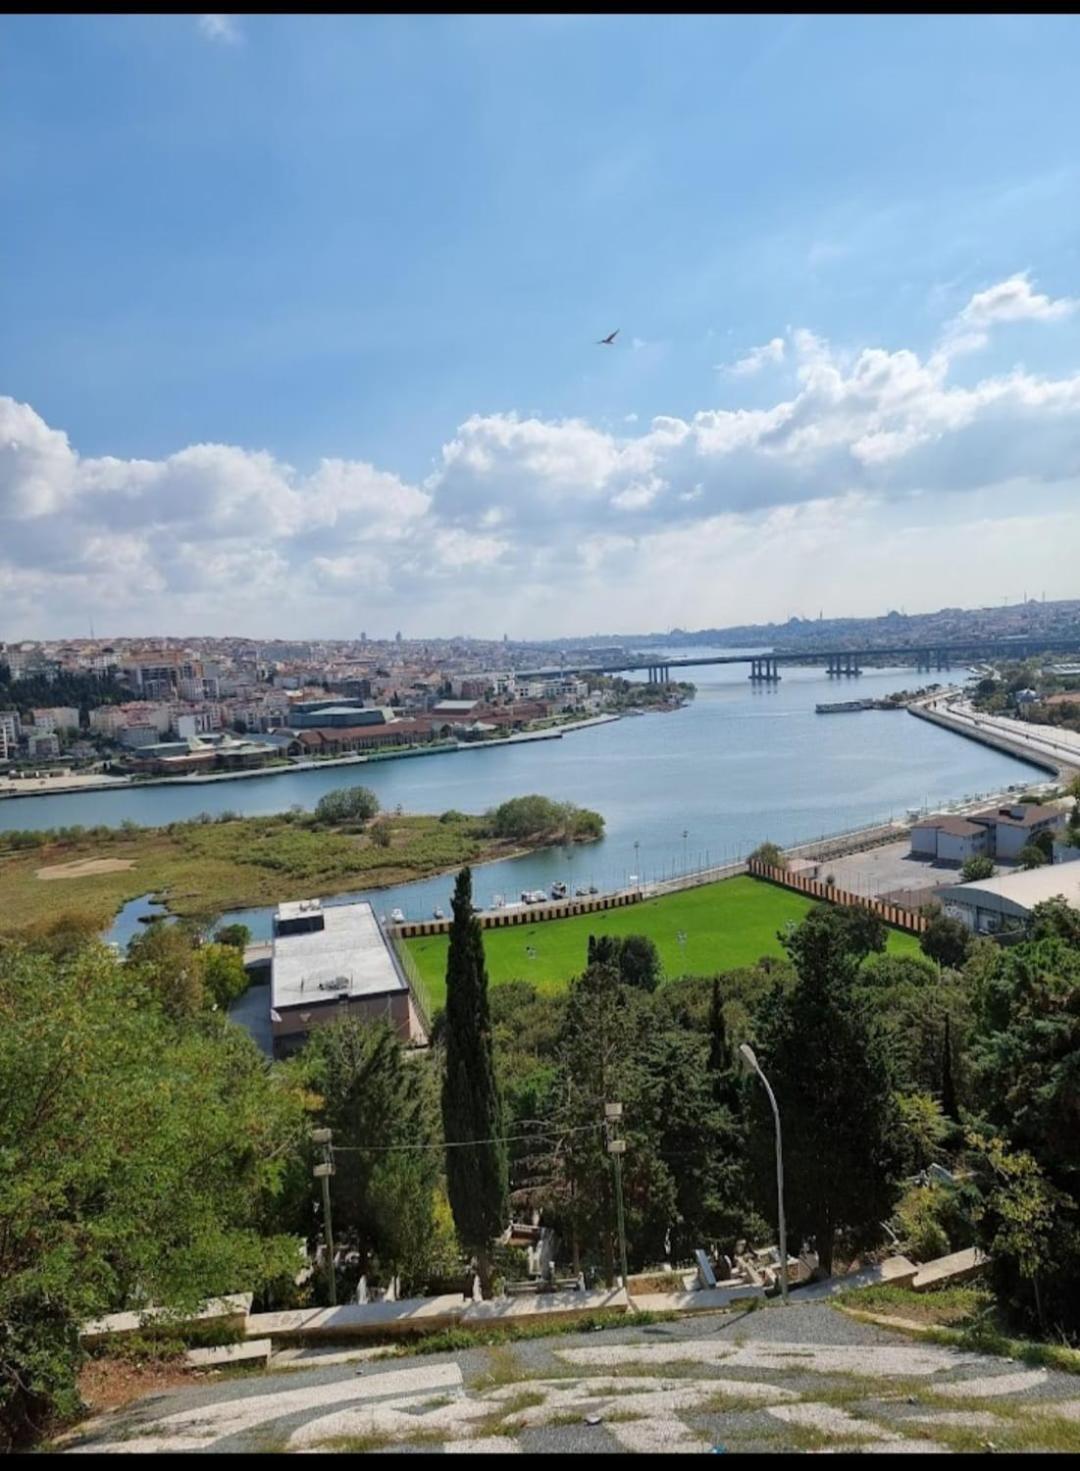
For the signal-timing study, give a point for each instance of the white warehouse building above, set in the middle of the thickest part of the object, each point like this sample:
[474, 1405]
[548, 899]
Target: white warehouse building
[998, 905]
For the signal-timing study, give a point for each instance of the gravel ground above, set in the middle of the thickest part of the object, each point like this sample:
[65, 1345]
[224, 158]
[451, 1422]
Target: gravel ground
[817, 1378]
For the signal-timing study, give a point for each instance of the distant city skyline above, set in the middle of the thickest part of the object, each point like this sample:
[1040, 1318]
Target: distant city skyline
[302, 319]
[1041, 616]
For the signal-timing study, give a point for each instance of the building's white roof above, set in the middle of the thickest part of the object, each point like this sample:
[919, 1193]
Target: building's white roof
[305, 967]
[1018, 893]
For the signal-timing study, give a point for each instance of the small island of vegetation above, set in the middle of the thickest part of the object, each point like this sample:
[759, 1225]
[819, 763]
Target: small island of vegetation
[211, 864]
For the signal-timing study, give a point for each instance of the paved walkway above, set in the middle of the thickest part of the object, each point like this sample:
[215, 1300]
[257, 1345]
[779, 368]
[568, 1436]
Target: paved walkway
[804, 1378]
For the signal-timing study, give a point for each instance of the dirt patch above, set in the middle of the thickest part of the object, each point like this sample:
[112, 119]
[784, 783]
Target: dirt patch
[106, 1384]
[83, 867]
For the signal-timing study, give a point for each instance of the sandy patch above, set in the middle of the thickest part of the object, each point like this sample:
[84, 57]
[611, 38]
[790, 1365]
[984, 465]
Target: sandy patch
[81, 868]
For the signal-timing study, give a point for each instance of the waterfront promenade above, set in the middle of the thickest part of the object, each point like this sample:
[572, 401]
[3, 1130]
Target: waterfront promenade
[77, 782]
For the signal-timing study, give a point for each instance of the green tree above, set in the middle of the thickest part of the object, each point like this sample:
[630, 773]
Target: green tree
[476, 1162]
[1028, 1227]
[384, 1117]
[634, 957]
[946, 940]
[236, 935]
[977, 867]
[347, 805]
[770, 854]
[1031, 856]
[1044, 841]
[141, 1157]
[534, 817]
[1055, 919]
[949, 1105]
[698, 1142]
[600, 1060]
[1026, 1065]
[639, 962]
[166, 959]
[224, 976]
[830, 1070]
[721, 1066]
[833, 938]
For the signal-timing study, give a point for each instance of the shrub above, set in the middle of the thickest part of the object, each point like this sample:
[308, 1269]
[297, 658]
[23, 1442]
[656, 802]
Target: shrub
[539, 817]
[769, 853]
[347, 804]
[976, 868]
[921, 1230]
[236, 935]
[1031, 856]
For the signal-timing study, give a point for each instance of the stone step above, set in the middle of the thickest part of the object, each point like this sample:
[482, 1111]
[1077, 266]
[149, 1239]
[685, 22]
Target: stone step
[253, 1350]
[957, 1267]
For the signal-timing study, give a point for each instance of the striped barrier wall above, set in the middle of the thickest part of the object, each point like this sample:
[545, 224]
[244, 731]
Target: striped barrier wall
[501, 918]
[892, 914]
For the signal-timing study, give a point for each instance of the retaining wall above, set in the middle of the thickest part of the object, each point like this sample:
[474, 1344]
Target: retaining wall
[1058, 766]
[892, 914]
[529, 914]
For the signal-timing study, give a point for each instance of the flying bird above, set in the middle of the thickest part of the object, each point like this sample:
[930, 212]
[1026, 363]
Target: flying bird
[608, 341]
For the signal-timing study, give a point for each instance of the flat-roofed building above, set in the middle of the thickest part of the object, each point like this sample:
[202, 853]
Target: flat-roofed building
[332, 961]
[1004, 904]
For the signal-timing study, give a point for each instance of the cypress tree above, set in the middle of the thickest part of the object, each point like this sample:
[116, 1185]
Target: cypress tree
[476, 1174]
[718, 1048]
[949, 1106]
[724, 1087]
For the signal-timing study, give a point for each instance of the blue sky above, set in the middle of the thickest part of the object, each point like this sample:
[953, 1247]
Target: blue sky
[300, 319]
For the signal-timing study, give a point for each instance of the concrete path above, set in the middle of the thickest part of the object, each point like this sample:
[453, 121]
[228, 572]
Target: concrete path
[804, 1378]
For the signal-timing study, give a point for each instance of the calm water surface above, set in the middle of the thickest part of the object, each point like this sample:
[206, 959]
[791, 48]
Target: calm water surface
[698, 786]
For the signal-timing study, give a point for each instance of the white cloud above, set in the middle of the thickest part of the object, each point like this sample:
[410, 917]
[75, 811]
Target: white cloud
[758, 358]
[1011, 300]
[538, 525]
[221, 28]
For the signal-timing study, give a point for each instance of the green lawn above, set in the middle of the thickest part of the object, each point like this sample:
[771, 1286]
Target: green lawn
[728, 924]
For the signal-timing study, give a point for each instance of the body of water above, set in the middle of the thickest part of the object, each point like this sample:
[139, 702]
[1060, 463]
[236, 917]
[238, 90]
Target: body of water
[698, 786]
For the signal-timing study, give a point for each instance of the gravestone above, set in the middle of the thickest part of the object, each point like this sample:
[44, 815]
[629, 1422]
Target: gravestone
[705, 1271]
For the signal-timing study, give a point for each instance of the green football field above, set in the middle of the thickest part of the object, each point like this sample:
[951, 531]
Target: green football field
[725, 925]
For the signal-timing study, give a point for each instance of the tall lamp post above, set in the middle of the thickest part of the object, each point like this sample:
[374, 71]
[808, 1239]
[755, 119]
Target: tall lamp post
[322, 1172]
[747, 1054]
[617, 1148]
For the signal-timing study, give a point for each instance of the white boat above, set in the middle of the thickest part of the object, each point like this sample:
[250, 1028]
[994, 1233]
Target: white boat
[397, 917]
[581, 892]
[558, 890]
[437, 913]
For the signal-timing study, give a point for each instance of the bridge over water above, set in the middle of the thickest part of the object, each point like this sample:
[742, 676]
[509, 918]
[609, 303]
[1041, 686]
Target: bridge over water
[764, 666]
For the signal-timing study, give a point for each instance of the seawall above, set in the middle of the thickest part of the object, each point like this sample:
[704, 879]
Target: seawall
[1057, 767]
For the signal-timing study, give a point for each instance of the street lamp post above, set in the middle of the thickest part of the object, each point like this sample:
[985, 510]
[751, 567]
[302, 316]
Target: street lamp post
[747, 1054]
[322, 1172]
[617, 1148]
